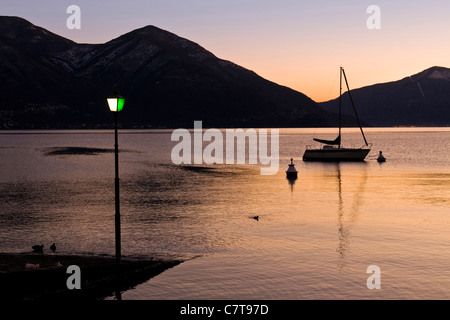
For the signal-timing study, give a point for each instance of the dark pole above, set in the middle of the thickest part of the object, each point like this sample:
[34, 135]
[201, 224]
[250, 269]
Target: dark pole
[340, 104]
[354, 109]
[117, 216]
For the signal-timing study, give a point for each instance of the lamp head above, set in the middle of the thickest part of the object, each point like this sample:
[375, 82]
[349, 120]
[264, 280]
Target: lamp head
[116, 103]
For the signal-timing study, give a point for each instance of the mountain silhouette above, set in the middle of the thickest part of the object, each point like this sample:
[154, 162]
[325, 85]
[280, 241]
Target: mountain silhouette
[422, 99]
[48, 81]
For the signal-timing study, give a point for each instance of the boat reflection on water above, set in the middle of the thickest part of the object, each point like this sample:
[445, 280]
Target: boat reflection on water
[347, 218]
[291, 181]
[291, 174]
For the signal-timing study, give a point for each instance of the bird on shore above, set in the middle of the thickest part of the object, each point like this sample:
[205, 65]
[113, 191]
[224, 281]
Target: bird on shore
[38, 249]
[256, 218]
[53, 247]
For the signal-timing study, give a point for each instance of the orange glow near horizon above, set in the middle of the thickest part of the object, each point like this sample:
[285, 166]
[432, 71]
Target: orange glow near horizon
[315, 72]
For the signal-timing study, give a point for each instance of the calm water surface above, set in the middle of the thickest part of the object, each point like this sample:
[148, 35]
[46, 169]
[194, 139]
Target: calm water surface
[314, 239]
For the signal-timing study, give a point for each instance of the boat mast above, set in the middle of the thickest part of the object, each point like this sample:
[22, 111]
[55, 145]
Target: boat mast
[354, 109]
[340, 104]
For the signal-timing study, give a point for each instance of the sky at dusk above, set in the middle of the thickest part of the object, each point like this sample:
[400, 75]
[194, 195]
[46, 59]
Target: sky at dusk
[299, 44]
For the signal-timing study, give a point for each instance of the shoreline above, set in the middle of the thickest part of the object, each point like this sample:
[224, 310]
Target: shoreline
[100, 277]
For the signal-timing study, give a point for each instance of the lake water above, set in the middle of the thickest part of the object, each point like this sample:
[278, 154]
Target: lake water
[314, 239]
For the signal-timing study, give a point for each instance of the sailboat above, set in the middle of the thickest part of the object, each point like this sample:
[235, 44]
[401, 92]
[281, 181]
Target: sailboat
[332, 150]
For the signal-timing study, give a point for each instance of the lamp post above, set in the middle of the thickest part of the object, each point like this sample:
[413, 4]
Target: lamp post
[115, 105]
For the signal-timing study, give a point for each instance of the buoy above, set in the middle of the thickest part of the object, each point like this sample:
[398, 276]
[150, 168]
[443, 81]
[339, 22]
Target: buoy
[381, 158]
[291, 172]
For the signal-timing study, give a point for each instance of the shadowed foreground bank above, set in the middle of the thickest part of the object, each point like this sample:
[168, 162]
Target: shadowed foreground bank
[100, 276]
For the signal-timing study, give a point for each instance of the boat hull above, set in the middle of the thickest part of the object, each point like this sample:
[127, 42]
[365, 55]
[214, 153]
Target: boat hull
[335, 154]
